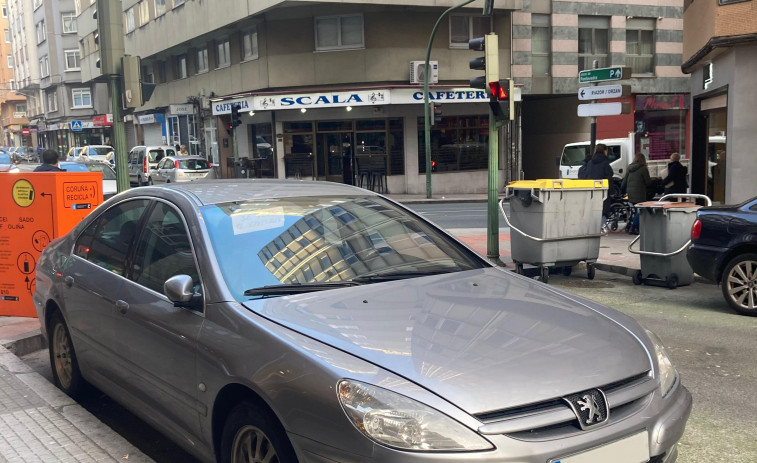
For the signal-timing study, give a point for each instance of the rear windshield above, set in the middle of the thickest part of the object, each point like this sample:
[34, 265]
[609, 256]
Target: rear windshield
[193, 164]
[574, 155]
[99, 150]
[107, 171]
[156, 155]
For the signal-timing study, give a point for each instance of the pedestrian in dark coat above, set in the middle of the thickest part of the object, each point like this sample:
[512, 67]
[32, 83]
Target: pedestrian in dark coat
[635, 184]
[599, 169]
[675, 181]
[49, 162]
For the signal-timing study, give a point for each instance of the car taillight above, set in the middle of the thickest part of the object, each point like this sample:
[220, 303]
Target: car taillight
[176, 164]
[696, 229]
[144, 164]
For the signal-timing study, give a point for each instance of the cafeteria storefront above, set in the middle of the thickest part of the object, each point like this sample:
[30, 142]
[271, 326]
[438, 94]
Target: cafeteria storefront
[371, 138]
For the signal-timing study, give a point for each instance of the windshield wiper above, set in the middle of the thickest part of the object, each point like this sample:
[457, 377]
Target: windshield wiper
[389, 276]
[298, 288]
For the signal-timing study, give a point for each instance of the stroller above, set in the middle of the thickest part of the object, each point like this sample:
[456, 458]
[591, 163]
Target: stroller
[621, 210]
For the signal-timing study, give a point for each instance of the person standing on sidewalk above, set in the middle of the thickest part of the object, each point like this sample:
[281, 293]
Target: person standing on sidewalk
[675, 181]
[635, 183]
[599, 169]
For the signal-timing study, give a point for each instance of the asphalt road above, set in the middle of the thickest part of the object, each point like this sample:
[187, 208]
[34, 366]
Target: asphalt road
[457, 215]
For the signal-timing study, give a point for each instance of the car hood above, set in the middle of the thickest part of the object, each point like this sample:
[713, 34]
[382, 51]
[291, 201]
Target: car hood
[482, 339]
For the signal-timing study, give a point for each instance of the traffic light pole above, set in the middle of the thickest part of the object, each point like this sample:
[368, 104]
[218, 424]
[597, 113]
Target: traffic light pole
[119, 135]
[492, 214]
[426, 109]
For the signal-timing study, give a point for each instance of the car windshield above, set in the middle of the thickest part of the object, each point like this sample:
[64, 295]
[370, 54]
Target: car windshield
[306, 240]
[98, 150]
[574, 155]
[5, 158]
[107, 171]
[193, 164]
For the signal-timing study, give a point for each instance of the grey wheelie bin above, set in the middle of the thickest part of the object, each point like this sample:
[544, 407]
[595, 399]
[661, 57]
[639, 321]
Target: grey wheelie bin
[555, 223]
[664, 235]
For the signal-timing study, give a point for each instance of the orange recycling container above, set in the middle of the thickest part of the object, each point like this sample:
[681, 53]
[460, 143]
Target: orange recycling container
[37, 207]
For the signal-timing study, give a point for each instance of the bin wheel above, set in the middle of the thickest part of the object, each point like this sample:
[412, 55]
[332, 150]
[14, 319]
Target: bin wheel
[614, 225]
[567, 270]
[519, 268]
[672, 281]
[590, 271]
[544, 274]
[637, 279]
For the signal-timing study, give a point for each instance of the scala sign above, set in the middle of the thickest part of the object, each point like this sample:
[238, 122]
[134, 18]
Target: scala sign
[597, 75]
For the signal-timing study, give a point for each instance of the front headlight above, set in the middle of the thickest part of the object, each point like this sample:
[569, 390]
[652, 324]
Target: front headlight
[400, 422]
[667, 370]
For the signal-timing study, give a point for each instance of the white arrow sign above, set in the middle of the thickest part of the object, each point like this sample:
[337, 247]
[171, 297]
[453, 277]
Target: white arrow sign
[603, 109]
[603, 91]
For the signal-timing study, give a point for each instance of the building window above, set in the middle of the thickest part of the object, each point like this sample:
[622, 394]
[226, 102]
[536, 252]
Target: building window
[160, 7]
[5, 10]
[202, 60]
[250, 44]
[36, 4]
[12, 84]
[181, 67]
[10, 61]
[129, 20]
[7, 36]
[41, 31]
[339, 32]
[177, 3]
[72, 60]
[706, 76]
[458, 143]
[462, 28]
[541, 45]
[147, 74]
[593, 41]
[222, 53]
[21, 108]
[640, 45]
[81, 98]
[52, 102]
[69, 23]
[44, 67]
[144, 13]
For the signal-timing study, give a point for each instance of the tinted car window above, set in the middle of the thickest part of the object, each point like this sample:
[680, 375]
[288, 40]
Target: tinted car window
[106, 242]
[574, 155]
[324, 239]
[164, 250]
[613, 153]
[193, 164]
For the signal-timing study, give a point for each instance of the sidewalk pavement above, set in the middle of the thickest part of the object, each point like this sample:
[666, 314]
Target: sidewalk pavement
[39, 423]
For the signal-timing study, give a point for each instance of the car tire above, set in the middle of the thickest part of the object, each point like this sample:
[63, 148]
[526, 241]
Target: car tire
[252, 434]
[739, 284]
[66, 374]
[544, 274]
[139, 180]
[149, 181]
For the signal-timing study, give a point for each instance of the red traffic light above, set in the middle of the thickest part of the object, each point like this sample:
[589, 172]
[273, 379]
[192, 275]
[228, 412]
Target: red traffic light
[499, 92]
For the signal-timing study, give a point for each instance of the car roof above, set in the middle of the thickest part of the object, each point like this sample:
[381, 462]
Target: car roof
[231, 190]
[179, 157]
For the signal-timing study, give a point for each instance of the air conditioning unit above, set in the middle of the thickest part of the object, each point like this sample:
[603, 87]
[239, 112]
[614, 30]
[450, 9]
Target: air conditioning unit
[418, 74]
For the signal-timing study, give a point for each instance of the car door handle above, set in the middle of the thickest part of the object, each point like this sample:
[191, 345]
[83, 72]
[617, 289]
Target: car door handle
[69, 280]
[122, 306]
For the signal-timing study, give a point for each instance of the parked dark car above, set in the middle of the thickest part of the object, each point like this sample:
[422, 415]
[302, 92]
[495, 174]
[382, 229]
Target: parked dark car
[724, 250]
[289, 321]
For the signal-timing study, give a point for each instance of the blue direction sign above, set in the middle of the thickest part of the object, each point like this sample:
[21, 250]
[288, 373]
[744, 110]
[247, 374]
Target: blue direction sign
[76, 126]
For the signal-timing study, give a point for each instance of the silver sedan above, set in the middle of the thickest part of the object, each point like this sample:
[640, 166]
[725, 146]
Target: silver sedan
[288, 321]
[172, 169]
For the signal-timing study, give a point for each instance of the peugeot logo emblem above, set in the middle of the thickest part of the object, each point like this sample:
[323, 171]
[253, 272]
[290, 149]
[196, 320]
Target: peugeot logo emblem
[590, 407]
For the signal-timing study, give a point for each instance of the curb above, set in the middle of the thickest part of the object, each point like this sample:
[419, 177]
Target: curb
[25, 344]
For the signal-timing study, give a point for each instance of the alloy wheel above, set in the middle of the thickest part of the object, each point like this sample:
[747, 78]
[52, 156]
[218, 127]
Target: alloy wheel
[251, 445]
[62, 355]
[740, 284]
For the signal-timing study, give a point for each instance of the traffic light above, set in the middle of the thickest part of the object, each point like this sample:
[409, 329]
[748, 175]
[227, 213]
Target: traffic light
[108, 37]
[437, 113]
[136, 92]
[489, 63]
[236, 118]
[229, 128]
[501, 95]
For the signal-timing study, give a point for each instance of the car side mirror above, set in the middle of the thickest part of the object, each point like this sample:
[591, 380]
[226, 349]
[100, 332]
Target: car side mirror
[179, 290]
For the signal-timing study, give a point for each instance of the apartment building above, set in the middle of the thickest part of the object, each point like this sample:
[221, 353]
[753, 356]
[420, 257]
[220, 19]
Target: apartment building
[323, 85]
[13, 120]
[720, 54]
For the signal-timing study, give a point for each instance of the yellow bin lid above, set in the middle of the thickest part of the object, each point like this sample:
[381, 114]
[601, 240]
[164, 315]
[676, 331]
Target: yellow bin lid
[556, 184]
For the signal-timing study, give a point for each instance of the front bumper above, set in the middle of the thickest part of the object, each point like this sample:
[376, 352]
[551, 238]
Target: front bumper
[664, 419]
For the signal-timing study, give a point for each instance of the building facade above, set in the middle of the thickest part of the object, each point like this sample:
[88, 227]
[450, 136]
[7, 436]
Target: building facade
[13, 114]
[720, 54]
[324, 87]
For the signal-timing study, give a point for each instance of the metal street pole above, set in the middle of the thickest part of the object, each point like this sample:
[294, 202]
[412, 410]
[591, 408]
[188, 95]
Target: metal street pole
[119, 135]
[492, 220]
[426, 115]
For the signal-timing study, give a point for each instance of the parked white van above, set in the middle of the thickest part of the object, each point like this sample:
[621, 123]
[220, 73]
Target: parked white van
[142, 159]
